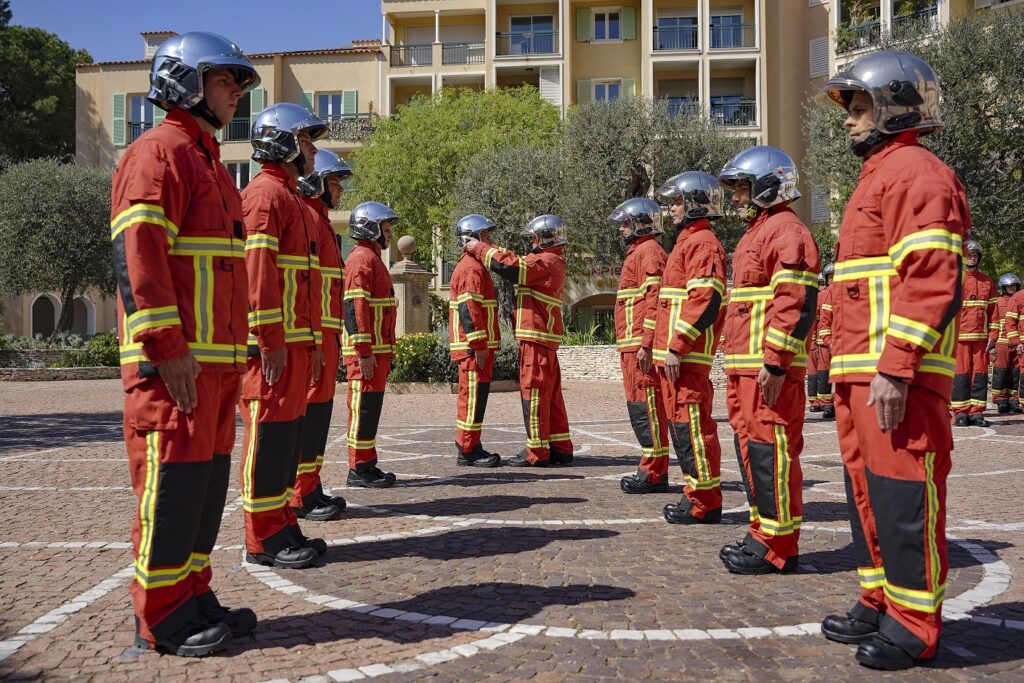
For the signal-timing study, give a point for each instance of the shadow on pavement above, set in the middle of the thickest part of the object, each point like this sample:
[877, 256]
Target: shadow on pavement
[475, 505]
[52, 430]
[842, 559]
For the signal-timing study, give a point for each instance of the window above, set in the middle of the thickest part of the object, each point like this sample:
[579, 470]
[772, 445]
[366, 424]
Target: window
[239, 172]
[726, 30]
[676, 33]
[532, 34]
[238, 129]
[607, 91]
[607, 25]
[140, 117]
[819, 57]
[328, 105]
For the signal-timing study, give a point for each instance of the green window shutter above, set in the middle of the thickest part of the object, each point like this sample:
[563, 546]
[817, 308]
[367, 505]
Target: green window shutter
[583, 92]
[628, 87]
[307, 100]
[583, 25]
[158, 116]
[118, 129]
[254, 168]
[257, 103]
[629, 23]
[350, 102]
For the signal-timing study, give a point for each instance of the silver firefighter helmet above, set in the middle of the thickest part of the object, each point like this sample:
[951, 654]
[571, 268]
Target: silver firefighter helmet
[366, 219]
[644, 213]
[701, 194]
[549, 228]
[275, 132]
[471, 226]
[176, 73]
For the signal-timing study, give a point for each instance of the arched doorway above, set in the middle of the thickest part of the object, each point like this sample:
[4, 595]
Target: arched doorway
[83, 319]
[44, 316]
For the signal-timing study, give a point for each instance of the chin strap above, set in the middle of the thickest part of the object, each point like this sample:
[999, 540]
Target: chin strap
[203, 111]
[300, 164]
[751, 212]
[864, 146]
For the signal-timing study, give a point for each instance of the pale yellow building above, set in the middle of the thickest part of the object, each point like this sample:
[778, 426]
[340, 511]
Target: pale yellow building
[748, 64]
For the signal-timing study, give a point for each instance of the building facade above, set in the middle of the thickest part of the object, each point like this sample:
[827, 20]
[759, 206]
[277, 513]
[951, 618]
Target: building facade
[750, 65]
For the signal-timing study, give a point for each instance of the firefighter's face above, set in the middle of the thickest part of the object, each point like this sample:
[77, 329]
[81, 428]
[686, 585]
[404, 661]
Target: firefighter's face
[385, 231]
[972, 259]
[1012, 289]
[626, 229]
[740, 193]
[221, 91]
[860, 116]
[308, 150]
[677, 210]
[485, 237]
[334, 190]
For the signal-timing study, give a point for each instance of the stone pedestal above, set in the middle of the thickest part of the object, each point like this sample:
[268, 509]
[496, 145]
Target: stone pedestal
[411, 290]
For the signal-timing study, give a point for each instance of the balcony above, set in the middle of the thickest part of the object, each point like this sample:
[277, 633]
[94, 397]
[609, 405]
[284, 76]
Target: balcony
[412, 55]
[526, 43]
[922, 22]
[852, 37]
[675, 38]
[237, 130]
[733, 36]
[462, 53]
[682, 106]
[742, 114]
[350, 127]
[135, 130]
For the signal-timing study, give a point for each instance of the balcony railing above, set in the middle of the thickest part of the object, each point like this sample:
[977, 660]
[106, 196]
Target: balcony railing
[527, 43]
[675, 38]
[350, 127]
[743, 113]
[682, 106]
[135, 130]
[921, 22]
[733, 36]
[858, 36]
[412, 55]
[462, 53]
[237, 130]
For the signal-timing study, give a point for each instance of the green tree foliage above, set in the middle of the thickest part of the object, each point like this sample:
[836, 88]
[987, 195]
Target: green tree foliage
[37, 93]
[980, 65]
[54, 231]
[413, 160]
[5, 13]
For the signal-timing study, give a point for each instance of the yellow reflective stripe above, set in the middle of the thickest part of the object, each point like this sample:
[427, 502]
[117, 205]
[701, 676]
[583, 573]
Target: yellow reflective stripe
[651, 280]
[381, 301]
[359, 338]
[265, 316]
[860, 363]
[696, 357]
[783, 340]
[356, 294]
[468, 296]
[331, 272]
[266, 503]
[628, 342]
[522, 271]
[650, 324]
[932, 517]
[476, 334]
[773, 528]
[147, 502]
[703, 282]
[978, 303]
[746, 361]
[913, 332]
[794, 277]
[208, 246]
[534, 334]
[629, 293]
[857, 269]
[751, 294]
[168, 576]
[287, 261]
[657, 447]
[921, 601]
[973, 336]
[826, 307]
[686, 329]
[539, 296]
[318, 337]
[673, 293]
[871, 577]
[697, 442]
[782, 470]
[143, 214]
[469, 424]
[149, 318]
[561, 436]
[262, 241]
[533, 436]
[936, 238]
[293, 334]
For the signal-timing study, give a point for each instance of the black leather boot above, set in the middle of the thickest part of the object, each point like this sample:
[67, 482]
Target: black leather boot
[730, 548]
[371, 479]
[519, 460]
[477, 457]
[315, 510]
[198, 638]
[561, 458]
[881, 653]
[286, 558]
[680, 514]
[979, 421]
[641, 483]
[747, 563]
[847, 630]
[241, 621]
[828, 412]
[336, 501]
[1003, 407]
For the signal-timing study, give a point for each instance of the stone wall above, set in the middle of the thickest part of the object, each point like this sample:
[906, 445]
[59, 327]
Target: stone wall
[601, 364]
[56, 374]
[34, 358]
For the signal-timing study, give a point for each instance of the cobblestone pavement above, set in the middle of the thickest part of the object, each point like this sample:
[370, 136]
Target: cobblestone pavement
[463, 574]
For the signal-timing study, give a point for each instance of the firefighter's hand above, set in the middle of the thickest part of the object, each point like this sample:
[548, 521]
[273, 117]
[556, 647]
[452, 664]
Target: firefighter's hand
[1020, 349]
[643, 358]
[469, 244]
[319, 360]
[366, 367]
[481, 358]
[889, 396]
[273, 364]
[179, 374]
[992, 353]
[671, 366]
[771, 386]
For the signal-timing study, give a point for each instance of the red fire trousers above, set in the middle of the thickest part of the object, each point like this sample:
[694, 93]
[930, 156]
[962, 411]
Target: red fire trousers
[365, 401]
[474, 388]
[645, 404]
[316, 424]
[540, 390]
[970, 383]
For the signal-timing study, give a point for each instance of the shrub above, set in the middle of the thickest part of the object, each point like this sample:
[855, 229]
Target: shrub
[100, 351]
[595, 335]
[413, 357]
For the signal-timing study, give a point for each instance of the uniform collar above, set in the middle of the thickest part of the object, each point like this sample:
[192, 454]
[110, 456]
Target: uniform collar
[277, 172]
[637, 242]
[552, 250]
[768, 213]
[317, 205]
[898, 141]
[694, 227]
[186, 123]
[371, 244]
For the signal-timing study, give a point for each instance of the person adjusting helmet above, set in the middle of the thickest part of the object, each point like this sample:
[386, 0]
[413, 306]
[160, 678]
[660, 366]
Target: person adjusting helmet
[638, 221]
[904, 95]
[637, 217]
[767, 324]
[899, 267]
[473, 338]
[699, 195]
[539, 278]
[978, 328]
[321, 192]
[771, 178]
[179, 69]
[286, 321]
[821, 342]
[1005, 366]
[182, 333]
[368, 342]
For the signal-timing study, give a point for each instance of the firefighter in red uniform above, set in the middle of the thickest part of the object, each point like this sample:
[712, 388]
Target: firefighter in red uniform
[473, 340]
[322, 191]
[636, 308]
[284, 321]
[368, 340]
[1015, 334]
[767, 324]
[687, 328]
[897, 282]
[178, 249]
[814, 406]
[822, 341]
[539, 278]
[1005, 373]
[978, 331]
